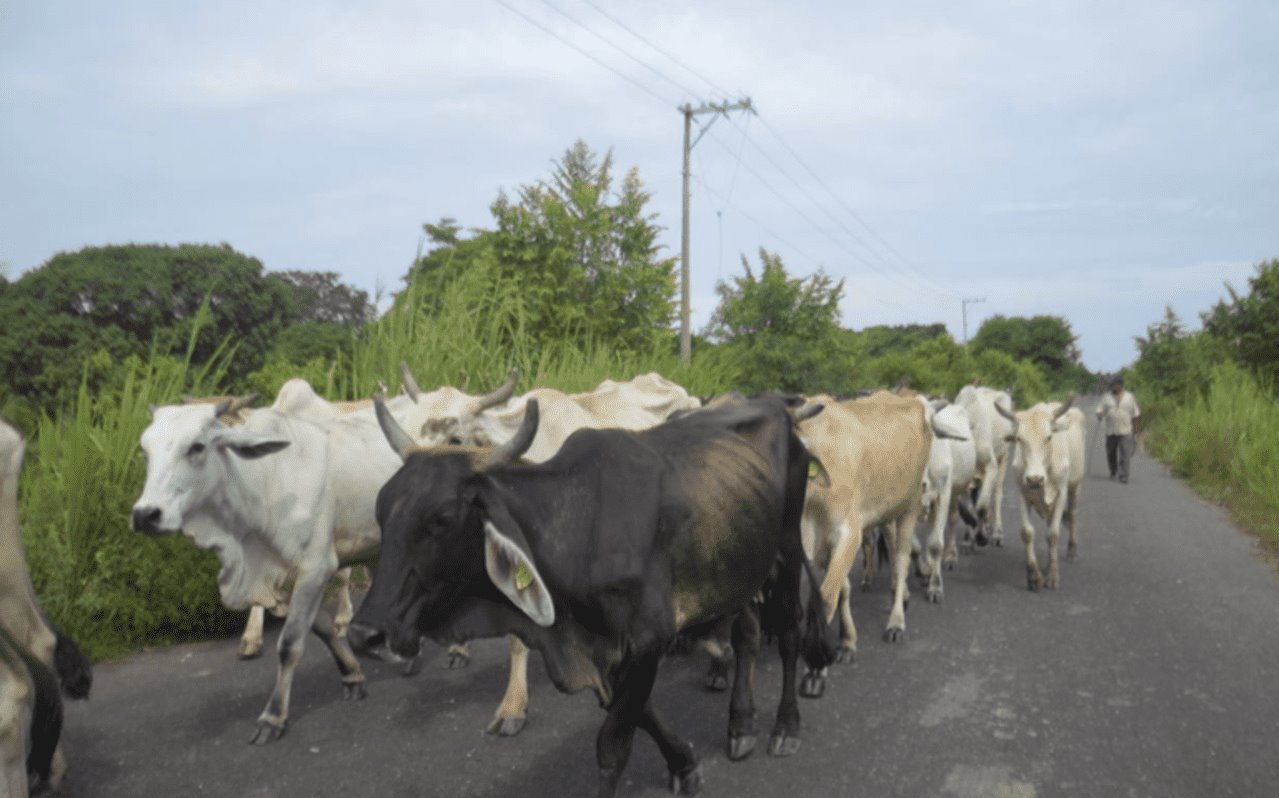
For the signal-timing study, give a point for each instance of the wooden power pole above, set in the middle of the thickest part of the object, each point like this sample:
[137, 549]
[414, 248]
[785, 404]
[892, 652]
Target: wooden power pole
[744, 104]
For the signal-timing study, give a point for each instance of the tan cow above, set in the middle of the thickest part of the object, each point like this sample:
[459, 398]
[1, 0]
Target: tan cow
[875, 451]
[31, 651]
[1049, 462]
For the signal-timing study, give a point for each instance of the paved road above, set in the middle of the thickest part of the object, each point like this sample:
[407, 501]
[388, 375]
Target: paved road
[1152, 671]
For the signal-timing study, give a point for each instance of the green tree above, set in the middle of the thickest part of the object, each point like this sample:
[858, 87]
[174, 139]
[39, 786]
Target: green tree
[784, 331]
[102, 304]
[582, 252]
[1046, 341]
[1249, 323]
[322, 297]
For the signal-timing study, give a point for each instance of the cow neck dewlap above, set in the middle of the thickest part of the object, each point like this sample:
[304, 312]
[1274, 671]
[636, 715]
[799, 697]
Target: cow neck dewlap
[249, 572]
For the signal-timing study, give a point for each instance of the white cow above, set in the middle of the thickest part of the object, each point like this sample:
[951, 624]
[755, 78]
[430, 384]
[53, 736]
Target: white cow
[1050, 468]
[31, 650]
[952, 466]
[282, 502]
[991, 431]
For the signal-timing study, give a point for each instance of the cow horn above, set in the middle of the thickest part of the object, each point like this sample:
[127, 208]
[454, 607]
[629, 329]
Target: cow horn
[221, 408]
[410, 384]
[241, 402]
[902, 384]
[395, 434]
[806, 412]
[503, 392]
[1061, 411]
[1005, 413]
[513, 449]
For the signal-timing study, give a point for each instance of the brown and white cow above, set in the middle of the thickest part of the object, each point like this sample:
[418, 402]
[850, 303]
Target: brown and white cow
[34, 655]
[1049, 462]
[875, 451]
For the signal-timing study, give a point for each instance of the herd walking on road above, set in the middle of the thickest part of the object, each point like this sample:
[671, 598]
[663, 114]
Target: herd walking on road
[595, 529]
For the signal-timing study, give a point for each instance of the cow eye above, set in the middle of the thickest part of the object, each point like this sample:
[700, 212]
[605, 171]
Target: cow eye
[195, 449]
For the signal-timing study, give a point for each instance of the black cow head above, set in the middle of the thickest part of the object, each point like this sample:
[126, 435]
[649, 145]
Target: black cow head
[442, 534]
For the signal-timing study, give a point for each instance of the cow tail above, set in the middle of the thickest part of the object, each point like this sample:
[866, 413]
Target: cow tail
[882, 555]
[75, 670]
[46, 715]
[820, 642]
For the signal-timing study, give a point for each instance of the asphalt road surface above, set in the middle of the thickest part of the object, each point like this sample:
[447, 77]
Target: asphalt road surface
[1152, 671]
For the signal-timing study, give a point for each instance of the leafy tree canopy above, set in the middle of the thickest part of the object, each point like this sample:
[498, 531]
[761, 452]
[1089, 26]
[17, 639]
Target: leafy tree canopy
[784, 330]
[1046, 341]
[582, 250]
[1249, 323]
[323, 297]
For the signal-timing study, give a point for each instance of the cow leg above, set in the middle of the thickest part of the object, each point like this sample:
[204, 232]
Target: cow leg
[512, 713]
[304, 605]
[325, 628]
[720, 648]
[848, 539]
[997, 500]
[459, 656]
[1034, 579]
[936, 542]
[951, 555]
[741, 708]
[899, 531]
[868, 560]
[1072, 515]
[681, 762]
[251, 640]
[345, 611]
[784, 740]
[17, 699]
[632, 688]
[1054, 535]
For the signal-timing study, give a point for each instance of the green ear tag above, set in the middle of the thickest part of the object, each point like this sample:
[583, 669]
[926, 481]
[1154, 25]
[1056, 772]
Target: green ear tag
[523, 576]
[812, 469]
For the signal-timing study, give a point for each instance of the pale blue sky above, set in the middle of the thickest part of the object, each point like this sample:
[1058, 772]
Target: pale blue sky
[1095, 160]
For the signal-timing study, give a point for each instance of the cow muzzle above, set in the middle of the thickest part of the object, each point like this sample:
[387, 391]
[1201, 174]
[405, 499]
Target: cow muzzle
[147, 520]
[373, 643]
[1034, 481]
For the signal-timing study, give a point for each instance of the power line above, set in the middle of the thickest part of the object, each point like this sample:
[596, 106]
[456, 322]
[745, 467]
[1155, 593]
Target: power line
[659, 50]
[619, 48]
[586, 53]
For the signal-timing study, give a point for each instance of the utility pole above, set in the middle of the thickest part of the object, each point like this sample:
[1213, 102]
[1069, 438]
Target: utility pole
[744, 104]
[964, 304]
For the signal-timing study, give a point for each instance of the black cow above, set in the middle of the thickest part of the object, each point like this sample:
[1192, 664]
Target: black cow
[601, 555]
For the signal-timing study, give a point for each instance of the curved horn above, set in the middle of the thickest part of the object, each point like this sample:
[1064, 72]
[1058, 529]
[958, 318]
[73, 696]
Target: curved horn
[410, 384]
[395, 434]
[902, 384]
[806, 412]
[510, 451]
[1061, 411]
[503, 392]
[241, 402]
[1005, 413]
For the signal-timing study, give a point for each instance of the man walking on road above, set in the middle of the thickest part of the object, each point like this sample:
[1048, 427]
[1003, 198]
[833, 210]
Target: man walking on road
[1123, 421]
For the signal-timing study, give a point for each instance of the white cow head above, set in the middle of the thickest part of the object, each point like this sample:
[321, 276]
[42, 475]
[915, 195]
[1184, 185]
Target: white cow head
[187, 450]
[1033, 432]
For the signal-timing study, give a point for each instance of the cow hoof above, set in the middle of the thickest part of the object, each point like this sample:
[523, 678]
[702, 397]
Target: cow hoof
[355, 691]
[998, 541]
[894, 634]
[456, 660]
[506, 727]
[411, 666]
[741, 747]
[813, 685]
[1034, 583]
[267, 733]
[846, 655]
[716, 682]
[249, 650]
[781, 745]
[687, 783]
[1072, 554]
[934, 596]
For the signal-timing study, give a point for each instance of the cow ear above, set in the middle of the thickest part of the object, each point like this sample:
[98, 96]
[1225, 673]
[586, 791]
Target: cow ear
[248, 445]
[510, 566]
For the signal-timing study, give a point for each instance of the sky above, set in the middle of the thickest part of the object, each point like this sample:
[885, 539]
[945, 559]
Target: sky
[1092, 160]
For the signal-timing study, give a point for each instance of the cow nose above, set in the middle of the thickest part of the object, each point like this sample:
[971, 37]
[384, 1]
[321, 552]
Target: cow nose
[365, 640]
[1035, 480]
[146, 519]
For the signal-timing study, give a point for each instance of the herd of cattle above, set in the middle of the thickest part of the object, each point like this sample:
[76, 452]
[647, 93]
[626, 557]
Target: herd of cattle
[596, 528]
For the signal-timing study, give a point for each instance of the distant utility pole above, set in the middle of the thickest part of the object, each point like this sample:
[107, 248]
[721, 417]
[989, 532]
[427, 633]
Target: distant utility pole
[964, 304]
[744, 104]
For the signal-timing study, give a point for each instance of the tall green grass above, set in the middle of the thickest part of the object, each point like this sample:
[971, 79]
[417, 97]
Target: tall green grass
[108, 587]
[1225, 440]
